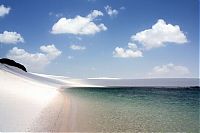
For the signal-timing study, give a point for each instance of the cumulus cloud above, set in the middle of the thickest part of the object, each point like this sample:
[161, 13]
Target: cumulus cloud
[35, 61]
[169, 71]
[51, 51]
[111, 12]
[4, 10]
[94, 14]
[11, 37]
[127, 53]
[79, 25]
[160, 34]
[131, 52]
[77, 47]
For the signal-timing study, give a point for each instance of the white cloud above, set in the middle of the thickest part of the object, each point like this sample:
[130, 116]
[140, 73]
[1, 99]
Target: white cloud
[169, 71]
[10, 37]
[79, 25]
[51, 51]
[111, 12]
[35, 61]
[77, 47]
[94, 14]
[127, 53]
[160, 34]
[131, 52]
[4, 10]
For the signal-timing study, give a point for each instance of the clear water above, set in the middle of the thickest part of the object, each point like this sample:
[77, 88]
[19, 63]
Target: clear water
[134, 109]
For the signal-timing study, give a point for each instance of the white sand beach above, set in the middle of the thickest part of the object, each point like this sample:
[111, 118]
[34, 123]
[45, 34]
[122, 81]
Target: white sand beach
[36, 102]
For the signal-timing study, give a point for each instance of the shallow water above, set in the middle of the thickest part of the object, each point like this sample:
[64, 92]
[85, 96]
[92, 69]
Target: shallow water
[134, 109]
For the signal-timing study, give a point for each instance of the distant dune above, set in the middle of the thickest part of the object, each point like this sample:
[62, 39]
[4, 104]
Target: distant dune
[155, 82]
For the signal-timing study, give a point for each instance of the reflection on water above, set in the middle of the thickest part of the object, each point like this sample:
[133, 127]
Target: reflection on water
[134, 109]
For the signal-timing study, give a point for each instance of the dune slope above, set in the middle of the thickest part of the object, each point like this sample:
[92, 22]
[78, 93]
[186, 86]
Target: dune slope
[24, 97]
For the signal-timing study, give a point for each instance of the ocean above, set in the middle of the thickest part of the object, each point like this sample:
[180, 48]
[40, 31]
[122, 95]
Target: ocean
[134, 109]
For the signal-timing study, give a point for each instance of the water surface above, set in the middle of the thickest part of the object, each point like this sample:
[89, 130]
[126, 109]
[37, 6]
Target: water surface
[137, 109]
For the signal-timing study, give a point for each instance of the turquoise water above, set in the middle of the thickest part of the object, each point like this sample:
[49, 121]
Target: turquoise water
[134, 109]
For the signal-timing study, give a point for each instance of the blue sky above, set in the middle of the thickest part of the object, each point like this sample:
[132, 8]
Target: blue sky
[109, 38]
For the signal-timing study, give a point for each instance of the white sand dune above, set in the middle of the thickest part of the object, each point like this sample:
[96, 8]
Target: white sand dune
[22, 98]
[29, 102]
[32, 102]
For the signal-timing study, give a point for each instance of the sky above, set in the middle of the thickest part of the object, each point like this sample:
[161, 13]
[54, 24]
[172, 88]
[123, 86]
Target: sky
[102, 38]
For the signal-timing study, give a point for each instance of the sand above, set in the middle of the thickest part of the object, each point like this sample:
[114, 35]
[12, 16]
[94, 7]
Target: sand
[30, 103]
[53, 118]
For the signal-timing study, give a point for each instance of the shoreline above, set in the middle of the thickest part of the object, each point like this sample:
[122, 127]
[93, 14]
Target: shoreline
[53, 117]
